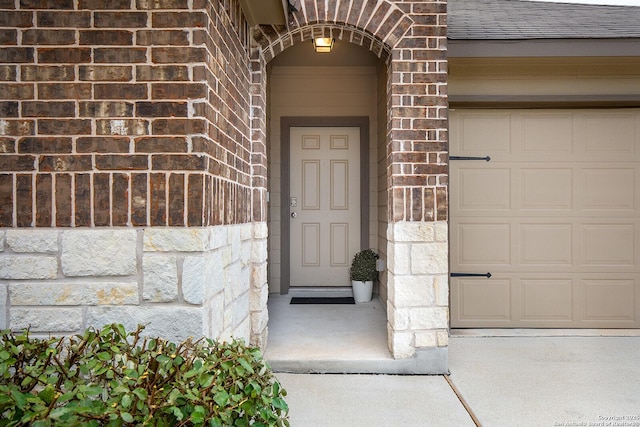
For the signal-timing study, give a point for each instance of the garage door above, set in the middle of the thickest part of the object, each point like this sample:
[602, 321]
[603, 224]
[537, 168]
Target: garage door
[554, 217]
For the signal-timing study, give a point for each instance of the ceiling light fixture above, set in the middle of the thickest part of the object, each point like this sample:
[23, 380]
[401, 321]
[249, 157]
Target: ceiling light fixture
[323, 44]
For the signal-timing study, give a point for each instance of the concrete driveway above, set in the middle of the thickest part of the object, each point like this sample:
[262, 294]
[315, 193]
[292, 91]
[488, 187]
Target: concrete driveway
[502, 381]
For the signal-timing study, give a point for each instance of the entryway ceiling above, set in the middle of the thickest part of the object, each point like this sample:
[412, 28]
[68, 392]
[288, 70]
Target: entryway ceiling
[265, 12]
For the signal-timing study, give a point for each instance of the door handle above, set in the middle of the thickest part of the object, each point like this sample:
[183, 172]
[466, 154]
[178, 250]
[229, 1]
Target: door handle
[487, 275]
[294, 214]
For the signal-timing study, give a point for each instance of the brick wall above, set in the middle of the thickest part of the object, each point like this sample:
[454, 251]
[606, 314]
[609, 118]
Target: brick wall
[130, 112]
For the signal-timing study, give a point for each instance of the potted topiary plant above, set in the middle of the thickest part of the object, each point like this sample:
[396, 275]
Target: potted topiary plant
[362, 274]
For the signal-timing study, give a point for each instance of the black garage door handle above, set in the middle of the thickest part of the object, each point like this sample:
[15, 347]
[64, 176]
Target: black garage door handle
[487, 275]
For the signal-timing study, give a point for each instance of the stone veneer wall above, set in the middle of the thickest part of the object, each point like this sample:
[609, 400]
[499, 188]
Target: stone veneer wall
[127, 182]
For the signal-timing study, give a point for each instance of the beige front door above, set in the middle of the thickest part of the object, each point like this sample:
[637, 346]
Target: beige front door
[324, 204]
[554, 216]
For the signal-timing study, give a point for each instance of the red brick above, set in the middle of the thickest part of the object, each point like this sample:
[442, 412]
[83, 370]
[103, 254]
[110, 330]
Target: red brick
[48, 37]
[106, 109]
[116, 55]
[17, 91]
[162, 4]
[120, 91]
[178, 126]
[120, 19]
[45, 73]
[179, 19]
[64, 127]
[177, 162]
[64, 19]
[195, 217]
[64, 91]
[178, 91]
[119, 73]
[65, 55]
[157, 144]
[48, 109]
[63, 199]
[65, 163]
[14, 163]
[7, 145]
[20, 19]
[119, 199]
[82, 186]
[24, 203]
[176, 199]
[101, 199]
[171, 73]
[8, 37]
[6, 200]
[158, 199]
[178, 55]
[161, 109]
[106, 37]
[44, 145]
[92, 144]
[139, 199]
[162, 37]
[122, 127]
[44, 202]
[8, 73]
[18, 127]
[121, 162]
[8, 109]
[46, 4]
[102, 4]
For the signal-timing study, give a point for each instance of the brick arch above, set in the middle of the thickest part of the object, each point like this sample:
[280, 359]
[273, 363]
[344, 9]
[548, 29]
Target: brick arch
[375, 25]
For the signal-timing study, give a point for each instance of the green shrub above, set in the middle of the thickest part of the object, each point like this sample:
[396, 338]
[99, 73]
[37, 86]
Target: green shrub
[363, 266]
[110, 377]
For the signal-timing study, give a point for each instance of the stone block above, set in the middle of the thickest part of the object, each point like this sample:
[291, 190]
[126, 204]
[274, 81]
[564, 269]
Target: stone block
[218, 237]
[246, 231]
[176, 239]
[69, 294]
[398, 318]
[194, 279]
[428, 318]
[401, 344]
[260, 230]
[3, 235]
[430, 258]
[170, 322]
[235, 244]
[243, 330]
[245, 255]
[99, 252]
[46, 319]
[442, 338]
[413, 232]
[441, 285]
[442, 231]
[413, 291]
[258, 275]
[259, 251]
[160, 278]
[399, 258]
[32, 240]
[426, 339]
[3, 306]
[258, 298]
[21, 267]
[215, 311]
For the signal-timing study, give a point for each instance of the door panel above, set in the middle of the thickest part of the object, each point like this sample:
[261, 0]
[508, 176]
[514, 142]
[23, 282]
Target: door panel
[554, 216]
[324, 204]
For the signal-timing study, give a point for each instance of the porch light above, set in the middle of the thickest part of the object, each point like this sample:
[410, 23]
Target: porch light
[323, 44]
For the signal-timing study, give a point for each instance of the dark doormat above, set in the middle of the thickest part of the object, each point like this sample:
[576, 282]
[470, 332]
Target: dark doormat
[322, 300]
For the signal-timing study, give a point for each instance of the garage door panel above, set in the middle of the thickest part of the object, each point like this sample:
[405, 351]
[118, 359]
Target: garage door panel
[484, 244]
[609, 135]
[608, 245]
[547, 299]
[477, 133]
[610, 300]
[610, 189]
[546, 245]
[546, 135]
[483, 300]
[482, 189]
[546, 188]
[554, 217]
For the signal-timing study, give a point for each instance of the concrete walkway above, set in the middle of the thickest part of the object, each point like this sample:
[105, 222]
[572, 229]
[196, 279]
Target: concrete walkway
[506, 381]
